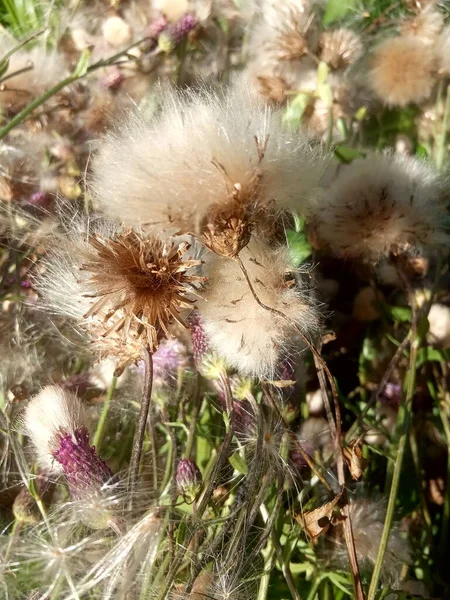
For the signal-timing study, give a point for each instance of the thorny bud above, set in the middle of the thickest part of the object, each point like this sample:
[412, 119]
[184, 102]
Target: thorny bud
[81, 465]
[156, 27]
[200, 344]
[189, 479]
[112, 80]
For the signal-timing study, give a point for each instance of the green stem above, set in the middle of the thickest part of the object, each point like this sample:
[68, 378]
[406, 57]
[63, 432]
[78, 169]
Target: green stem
[403, 424]
[441, 150]
[268, 566]
[444, 414]
[98, 436]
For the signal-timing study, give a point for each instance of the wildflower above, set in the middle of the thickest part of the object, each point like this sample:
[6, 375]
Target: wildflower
[381, 205]
[174, 34]
[340, 47]
[249, 337]
[121, 288]
[402, 70]
[222, 166]
[188, 479]
[55, 423]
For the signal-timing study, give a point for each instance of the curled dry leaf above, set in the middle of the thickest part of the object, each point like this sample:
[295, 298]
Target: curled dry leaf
[318, 521]
[354, 458]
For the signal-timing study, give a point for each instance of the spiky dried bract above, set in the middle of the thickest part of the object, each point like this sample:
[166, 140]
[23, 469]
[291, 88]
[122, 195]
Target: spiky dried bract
[213, 164]
[402, 70]
[340, 47]
[380, 205]
[144, 278]
[251, 338]
[120, 288]
[284, 32]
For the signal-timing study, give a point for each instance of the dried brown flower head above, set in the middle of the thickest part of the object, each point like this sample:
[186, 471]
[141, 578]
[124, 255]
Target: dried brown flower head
[290, 42]
[273, 88]
[340, 47]
[227, 227]
[139, 284]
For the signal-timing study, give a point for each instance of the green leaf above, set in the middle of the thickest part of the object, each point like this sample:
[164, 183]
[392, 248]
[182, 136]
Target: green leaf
[399, 313]
[82, 64]
[429, 354]
[296, 109]
[337, 10]
[238, 463]
[4, 65]
[346, 154]
[299, 247]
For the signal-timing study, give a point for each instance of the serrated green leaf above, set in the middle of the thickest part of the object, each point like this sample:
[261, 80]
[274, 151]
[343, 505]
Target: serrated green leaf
[238, 463]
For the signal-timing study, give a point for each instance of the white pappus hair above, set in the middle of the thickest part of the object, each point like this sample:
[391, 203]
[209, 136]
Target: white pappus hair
[249, 337]
[380, 204]
[200, 148]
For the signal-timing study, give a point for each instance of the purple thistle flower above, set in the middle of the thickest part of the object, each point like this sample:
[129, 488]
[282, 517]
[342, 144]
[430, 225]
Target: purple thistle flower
[188, 479]
[174, 34]
[391, 395]
[168, 358]
[156, 27]
[112, 80]
[39, 199]
[200, 344]
[83, 469]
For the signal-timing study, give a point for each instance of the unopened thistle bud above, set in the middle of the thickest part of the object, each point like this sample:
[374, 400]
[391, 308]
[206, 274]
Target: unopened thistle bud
[173, 35]
[206, 361]
[156, 27]
[189, 479]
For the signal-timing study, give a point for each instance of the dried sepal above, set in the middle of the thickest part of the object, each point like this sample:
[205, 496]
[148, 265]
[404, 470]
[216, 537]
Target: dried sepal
[139, 285]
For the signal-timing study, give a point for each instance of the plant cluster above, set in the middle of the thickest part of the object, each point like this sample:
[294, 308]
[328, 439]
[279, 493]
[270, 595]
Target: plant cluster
[225, 318]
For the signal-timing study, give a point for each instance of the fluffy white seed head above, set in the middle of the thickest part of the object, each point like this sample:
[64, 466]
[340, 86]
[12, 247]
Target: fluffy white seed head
[48, 68]
[116, 31]
[202, 151]
[402, 70]
[439, 325]
[426, 25]
[249, 337]
[51, 411]
[367, 517]
[381, 204]
[340, 47]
